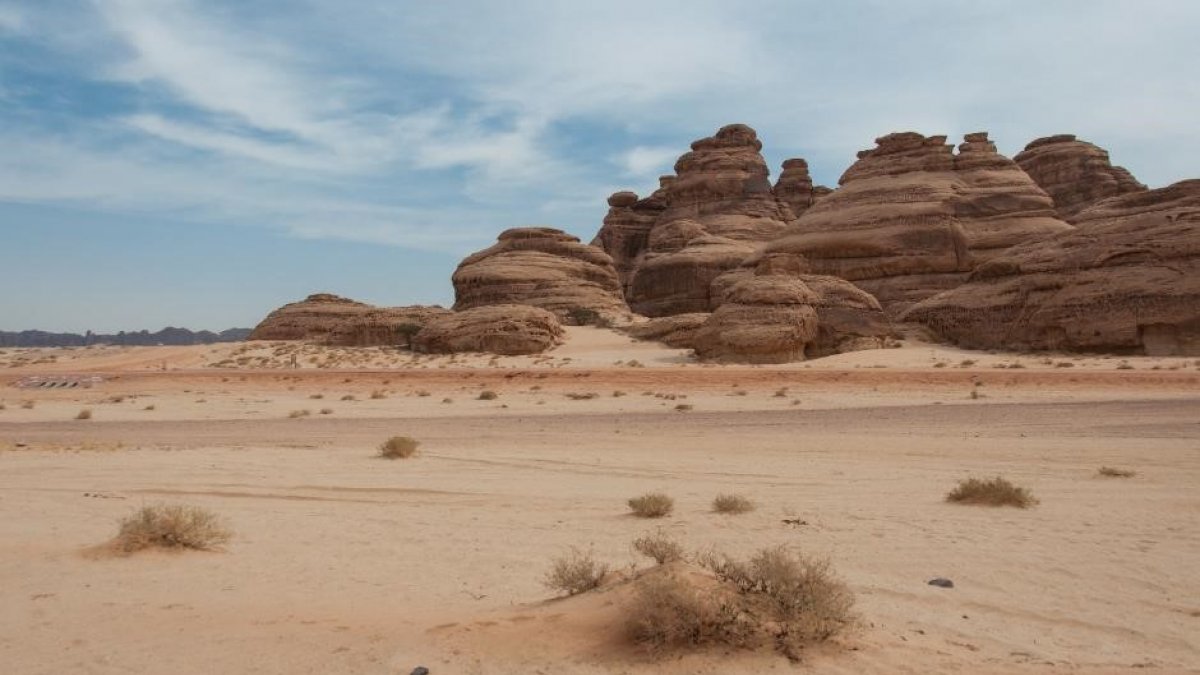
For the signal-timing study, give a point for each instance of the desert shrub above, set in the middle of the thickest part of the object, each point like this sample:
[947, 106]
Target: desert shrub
[1114, 472]
[317, 397]
[730, 503]
[990, 492]
[378, 394]
[966, 363]
[618, 393]
[575, 573]
[423, 393]
[27, 405]
[398, 447]
[348, 397]
[488, 395]
[326, 411]
[587, 396]
[801, 594]
[149, 407]
[684, 407]
[583, 316]
[85, 414]
[171, 526]
[299, 413]
[667, 612]
[651, 505]
[1064, 364]
[659, 546]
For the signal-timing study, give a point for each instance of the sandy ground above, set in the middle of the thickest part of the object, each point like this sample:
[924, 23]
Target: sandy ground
[344, 563]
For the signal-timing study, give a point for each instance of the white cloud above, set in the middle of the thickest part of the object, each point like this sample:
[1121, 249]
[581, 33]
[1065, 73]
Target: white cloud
[11, 18]
[649, 162]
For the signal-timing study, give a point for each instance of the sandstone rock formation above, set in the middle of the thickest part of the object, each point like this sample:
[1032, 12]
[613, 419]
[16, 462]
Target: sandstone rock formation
[625, 234]
[674, 331]
[717, 209]
[795, 187]
[1127, 280]
[776, 312]
[382, 326]
[497, 329]
[540, 267]
[334, 320]
[1075, 173]
[912, 218]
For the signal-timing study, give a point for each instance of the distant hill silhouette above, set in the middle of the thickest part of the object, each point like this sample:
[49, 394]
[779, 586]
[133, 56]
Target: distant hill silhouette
[166, 336]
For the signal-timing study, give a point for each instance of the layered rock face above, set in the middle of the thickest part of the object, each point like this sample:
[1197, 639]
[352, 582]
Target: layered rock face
[674, 331]
[1076, 174]
[540, 267]
[795, 187]
[1127, 280]
[334, 320]
[625, 234]
[383, 326]
[776, 312]
[497, 329]
[912, 218]
[718, 208]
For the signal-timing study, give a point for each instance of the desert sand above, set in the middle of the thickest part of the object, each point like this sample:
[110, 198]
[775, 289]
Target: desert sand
[345, 563]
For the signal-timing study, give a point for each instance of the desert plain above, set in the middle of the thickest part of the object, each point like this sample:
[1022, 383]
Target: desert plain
[342, 562]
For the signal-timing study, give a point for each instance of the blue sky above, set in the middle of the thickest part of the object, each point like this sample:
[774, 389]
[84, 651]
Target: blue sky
[200, 162]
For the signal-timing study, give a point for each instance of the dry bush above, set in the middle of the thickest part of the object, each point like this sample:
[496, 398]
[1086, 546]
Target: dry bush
[171, 526]
[1114, 472]
[575, 573]
[651, 505]
[669, 613]
[730, 503]
[658, 546]
[684, 407]
[802, 596]
[378, 394]
[149, 407]
[587, 396]
[618, 393]
[348, 397]
[326, 411]
[398, 447]
[488, 395]
[299, 413]
[85, 414]
[317, 397]
[991, 492]
[27, 405]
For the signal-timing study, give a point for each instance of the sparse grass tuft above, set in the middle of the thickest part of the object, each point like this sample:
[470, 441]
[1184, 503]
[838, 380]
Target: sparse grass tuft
[398, 447]
[85, 414]
[378, 394]
[587, 396]
[730, 503]
[149, 407]
[326, 411]
[488, 395]
[171, 526]
[299, 413]
[317, 397]
[991, 492]
[348, 397]
[1114, 472]
[651, 505]
[684, 407]
[575, 573]
[659, 546]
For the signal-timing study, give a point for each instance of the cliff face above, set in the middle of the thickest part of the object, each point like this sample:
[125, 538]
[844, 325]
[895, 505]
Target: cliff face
[1076, 174]
[912, 217]
[1127, 280]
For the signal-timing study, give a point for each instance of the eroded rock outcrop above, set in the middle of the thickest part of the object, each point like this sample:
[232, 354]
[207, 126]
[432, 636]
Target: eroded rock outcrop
[777, 312]
[674, 331]
[540, 267]
[333, 320]
[719, 208]
[795, 187]
[1127, 280]
[497, 329]
[1076, 174]
[625, 234]
[912, 218]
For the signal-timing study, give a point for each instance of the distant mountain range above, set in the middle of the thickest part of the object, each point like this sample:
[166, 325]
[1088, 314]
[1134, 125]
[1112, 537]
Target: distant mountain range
[166, 336]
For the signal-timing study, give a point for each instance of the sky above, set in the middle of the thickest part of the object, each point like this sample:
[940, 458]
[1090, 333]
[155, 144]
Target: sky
[198, 163]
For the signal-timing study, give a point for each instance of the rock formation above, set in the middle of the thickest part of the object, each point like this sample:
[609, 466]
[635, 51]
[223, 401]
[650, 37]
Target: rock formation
[625, 234]
[795, 187]
[540, 267]
[334, 320]
[1127, 280]
[912, 218]
[498, 329]
[674, 331]
[777, 312]
[1075, 173]
[718, 208]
